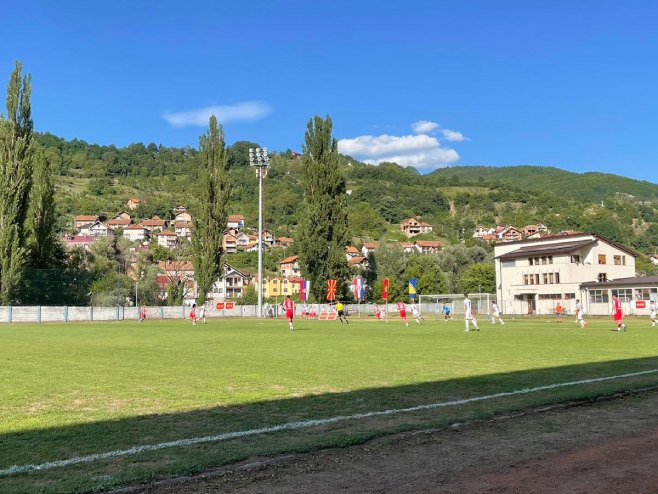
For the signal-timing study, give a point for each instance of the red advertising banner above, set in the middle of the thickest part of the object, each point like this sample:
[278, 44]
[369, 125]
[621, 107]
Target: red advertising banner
[640, 304]
[331, 290]
[385, 289]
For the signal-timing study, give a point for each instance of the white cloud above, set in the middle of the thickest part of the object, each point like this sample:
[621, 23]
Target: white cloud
[453, 135]
[246, 111]
[420, 151]
[424, 126]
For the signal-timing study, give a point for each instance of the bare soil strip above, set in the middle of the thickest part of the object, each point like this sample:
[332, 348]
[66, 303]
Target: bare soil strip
[608, 446]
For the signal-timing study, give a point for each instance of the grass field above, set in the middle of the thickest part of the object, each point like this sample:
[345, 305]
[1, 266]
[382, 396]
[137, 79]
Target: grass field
[70, 390]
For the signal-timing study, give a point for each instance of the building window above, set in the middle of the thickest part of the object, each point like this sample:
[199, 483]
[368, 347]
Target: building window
[550, 259]
[536, 279]
[549, 296]
[617, 260]
[544, 260]
[525, 279]
[603, 277]
[557, 277]
[575, 258]
[568, 296]
[551, 278]
[598, 296]
[624, 294]
[545, 276]
[646, 293]
[602, 259]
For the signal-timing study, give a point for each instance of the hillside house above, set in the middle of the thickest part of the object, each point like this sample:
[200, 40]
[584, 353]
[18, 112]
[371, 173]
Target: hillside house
[235, 221]
[167, 239]
[83, 220]
[289, 266]
[413, 227]
[121, 220]
[359, 262]
[352, 252]
[230, 285]
[229, 243]
[133, 203]
[82, 241]
[429, 246]
[136, 233]
[183, 229]
[155, 224]
[97, 229]
[182, 217]
[367, 248]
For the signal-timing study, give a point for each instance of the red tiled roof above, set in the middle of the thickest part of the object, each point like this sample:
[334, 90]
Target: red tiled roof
[167, 233]
[428, 243]
[84, 217]
[288, 260]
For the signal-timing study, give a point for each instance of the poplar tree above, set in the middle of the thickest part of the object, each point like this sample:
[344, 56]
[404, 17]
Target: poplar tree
[211, 218]
[46, 251]
[16, 154]
[323, 231]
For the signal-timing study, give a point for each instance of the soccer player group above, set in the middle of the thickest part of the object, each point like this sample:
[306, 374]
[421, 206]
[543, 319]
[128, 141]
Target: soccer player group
[289, 309]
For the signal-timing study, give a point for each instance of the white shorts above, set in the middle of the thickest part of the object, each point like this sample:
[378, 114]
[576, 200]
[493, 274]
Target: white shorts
[653, 314]
[467, 315]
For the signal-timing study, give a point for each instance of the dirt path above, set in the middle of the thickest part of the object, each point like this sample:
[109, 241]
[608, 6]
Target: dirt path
[608, 447]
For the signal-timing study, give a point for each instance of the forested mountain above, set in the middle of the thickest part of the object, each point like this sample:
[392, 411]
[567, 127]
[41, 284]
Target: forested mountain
[591, 185]
[97, 179]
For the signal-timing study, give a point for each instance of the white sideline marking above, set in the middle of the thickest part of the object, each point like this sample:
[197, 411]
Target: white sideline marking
[18, 469]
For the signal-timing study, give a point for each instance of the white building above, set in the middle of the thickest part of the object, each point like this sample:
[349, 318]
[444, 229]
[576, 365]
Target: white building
[136, 233]
[532, 276]
[167, 239]
[634, 294]
[230, 286]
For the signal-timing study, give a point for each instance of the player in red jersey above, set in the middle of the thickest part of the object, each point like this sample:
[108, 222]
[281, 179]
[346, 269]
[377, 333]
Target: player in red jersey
[402, 307]
[289, 307]
[617, 313]
[193, 314]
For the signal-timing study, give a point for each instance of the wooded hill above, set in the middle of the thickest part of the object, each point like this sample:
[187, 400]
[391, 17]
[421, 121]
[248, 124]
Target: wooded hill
[95, 179]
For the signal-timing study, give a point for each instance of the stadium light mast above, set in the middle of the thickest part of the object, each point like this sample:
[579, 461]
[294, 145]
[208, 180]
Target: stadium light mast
[258, 158]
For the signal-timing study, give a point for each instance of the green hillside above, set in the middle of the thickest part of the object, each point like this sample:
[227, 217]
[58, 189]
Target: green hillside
[590, 186]
[95, 179]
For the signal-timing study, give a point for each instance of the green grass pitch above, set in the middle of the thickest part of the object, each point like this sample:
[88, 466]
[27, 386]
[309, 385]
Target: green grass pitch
[69, 390]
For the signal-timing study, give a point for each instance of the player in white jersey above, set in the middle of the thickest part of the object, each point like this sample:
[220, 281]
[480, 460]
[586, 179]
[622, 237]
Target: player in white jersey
[495, 314]
[416, 313]
[652, 308]
[468, 315]
[580, 314]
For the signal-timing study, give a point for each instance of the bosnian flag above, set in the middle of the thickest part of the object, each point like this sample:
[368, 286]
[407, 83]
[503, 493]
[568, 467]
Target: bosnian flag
[358, 288]
[304, 287]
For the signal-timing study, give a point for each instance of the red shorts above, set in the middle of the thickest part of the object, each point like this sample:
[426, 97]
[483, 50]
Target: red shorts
[192, 316]
[403, 314]
[289, 314]
[618, 316]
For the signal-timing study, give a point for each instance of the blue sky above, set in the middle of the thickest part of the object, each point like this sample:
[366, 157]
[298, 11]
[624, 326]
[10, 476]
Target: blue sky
[572, 84]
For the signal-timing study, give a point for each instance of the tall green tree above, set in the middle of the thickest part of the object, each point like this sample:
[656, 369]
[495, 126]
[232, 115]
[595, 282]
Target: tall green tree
[46, 250]
[323, 233]
[211, 217]
[16, 155]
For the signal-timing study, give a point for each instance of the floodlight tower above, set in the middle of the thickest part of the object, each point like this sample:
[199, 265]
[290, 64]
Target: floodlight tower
[259, 159]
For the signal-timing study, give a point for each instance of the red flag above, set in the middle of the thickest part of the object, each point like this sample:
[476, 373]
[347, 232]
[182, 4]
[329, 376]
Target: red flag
[385, 289]
[331, 290]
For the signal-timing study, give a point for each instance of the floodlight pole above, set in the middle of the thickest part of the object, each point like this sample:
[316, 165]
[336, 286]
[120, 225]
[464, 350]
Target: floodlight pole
[258, 158]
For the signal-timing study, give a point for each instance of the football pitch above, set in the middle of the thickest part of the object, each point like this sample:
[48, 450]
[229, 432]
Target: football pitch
[88, 407]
